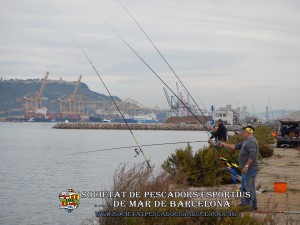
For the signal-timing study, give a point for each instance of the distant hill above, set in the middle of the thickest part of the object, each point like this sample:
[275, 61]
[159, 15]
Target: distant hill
[293, 116]
[275, 114]
[12, 94]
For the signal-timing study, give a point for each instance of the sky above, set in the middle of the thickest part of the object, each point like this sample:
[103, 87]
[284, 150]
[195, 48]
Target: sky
[243, 53]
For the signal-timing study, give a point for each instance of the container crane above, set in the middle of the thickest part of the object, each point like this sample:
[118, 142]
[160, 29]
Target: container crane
[70, 106]
[33, 103]
[171, 100]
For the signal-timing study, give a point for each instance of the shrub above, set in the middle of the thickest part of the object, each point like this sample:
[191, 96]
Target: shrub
[196, 170]
[207, 167]
[265, 150]
[141, 179]
[263, 134]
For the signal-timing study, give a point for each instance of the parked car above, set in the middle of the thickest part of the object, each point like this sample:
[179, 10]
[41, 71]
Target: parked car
[288, 134]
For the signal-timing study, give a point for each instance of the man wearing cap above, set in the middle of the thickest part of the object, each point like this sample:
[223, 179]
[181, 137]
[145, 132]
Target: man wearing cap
[221, 133]
[248, 163]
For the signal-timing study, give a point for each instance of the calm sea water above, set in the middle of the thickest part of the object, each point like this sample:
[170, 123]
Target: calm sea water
[38, 162]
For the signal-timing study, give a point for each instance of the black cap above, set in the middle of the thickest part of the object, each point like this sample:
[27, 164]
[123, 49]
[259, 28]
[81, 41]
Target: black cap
[249, 128]
[220, 120]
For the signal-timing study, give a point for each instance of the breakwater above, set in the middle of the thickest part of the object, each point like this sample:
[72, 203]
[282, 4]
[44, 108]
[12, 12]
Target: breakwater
[133, 126]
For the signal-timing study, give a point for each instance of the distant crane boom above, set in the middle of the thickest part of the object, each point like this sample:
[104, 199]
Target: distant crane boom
[72, 106]
[168, 97]
[73, 95]
[40, 93]
[33, 101]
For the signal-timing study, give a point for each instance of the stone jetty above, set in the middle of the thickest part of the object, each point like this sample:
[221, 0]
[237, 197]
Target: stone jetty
[133, 126]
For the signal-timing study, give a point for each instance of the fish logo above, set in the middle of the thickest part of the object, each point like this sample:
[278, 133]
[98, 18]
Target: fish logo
[69, 200]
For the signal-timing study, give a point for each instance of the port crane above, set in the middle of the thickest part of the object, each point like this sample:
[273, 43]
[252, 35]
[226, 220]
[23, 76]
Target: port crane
[173, 103]
[71, 105]
[33, 101]
[176, 107]
[128, 106]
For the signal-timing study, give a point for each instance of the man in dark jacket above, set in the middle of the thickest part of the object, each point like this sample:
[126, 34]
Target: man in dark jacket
[221, 133]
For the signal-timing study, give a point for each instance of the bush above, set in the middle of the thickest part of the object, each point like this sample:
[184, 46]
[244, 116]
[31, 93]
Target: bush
[266, 150]
[263, 134]
[196, 170]
[141, 179]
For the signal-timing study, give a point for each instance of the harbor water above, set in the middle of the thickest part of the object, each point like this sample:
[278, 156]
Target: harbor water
[38, 162]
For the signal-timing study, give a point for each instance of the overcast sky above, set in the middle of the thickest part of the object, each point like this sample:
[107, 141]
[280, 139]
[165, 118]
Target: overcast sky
[225, 52]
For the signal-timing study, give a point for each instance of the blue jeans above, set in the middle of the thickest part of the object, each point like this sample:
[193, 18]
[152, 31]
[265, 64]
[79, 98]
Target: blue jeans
[248, 185]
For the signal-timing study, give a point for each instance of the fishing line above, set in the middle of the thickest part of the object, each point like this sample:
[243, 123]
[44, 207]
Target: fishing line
[135, 146]
[159, 78]
[208, 132]
[139, 150]
[162, 57]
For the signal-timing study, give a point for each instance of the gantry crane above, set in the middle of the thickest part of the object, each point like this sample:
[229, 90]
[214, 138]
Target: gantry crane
[172, 101]
[128, 107]
[33, 100]
[178, 104]
[72, 106]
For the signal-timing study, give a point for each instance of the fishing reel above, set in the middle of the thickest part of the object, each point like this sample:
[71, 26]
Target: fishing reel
[137, 151]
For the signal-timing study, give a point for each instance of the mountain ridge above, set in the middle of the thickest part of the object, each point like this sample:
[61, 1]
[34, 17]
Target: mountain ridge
[13, 92]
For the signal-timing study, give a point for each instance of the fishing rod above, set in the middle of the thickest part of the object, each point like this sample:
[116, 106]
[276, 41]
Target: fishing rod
[139, 150]
[167, 63]
[162, 58]
[206, 129]
[225, 149]
[135, 146]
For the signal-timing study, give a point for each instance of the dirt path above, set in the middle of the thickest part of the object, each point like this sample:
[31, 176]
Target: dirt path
[283, 166]
[280, 208]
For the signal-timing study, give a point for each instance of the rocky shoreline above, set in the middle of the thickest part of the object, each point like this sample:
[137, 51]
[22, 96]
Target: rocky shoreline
[136, 126]
[133, 126]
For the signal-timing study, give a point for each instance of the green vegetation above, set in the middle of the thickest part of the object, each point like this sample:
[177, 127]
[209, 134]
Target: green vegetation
[141, 179]
[263, 134]
[194, 170]
[181, 170]
[202, 168]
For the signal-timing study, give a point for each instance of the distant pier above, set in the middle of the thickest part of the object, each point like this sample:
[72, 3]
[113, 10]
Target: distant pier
[133, 126]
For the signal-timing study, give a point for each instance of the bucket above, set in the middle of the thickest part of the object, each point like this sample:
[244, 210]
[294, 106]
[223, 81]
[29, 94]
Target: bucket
[280, 187]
